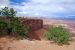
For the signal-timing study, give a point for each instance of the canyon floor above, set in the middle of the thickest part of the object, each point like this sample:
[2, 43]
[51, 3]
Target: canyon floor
[10, 43]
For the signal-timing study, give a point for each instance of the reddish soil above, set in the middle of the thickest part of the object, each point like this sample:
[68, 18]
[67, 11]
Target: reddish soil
[38, 34]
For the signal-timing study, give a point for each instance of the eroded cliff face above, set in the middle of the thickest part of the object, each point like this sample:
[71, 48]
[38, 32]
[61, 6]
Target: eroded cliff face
[34, 26]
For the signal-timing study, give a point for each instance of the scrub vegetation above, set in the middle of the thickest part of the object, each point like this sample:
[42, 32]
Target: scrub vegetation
[58, 35]
[10, 25]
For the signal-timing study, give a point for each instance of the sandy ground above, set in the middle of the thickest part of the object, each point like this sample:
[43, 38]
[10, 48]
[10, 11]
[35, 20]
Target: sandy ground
[7, 43]
[35, 45]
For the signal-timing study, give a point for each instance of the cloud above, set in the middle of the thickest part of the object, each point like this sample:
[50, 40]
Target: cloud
[50, 8]
[4, 3]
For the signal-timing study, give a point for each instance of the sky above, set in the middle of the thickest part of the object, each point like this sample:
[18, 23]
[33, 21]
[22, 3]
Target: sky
[42, 8]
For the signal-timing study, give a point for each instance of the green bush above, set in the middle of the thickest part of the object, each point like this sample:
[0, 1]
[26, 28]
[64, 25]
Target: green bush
[23, 31]
[58, 35]
[17, 28]
[12, 26]
[3, 27]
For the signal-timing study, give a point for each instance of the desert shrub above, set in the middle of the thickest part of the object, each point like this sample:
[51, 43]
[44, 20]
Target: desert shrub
[58, 35]
[16, 28]
[3, 26]
[12, 26]
[23, 31]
